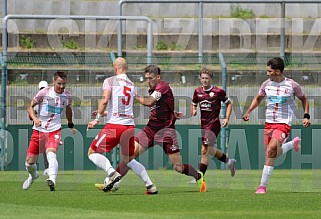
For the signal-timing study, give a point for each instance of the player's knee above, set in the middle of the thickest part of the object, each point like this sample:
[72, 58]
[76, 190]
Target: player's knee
[204, 150]
[271, 152]
[178, 168]
[90, 151]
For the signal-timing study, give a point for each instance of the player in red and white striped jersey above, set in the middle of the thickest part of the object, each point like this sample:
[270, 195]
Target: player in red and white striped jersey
[280, 92]
[118, 97]
[46, 129]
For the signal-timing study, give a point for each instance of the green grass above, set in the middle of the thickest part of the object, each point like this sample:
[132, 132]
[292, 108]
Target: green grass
[291, 194]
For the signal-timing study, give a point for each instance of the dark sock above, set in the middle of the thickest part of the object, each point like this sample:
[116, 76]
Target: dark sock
[122, 169]
[224, 158]
[203, 168]
[190, 171]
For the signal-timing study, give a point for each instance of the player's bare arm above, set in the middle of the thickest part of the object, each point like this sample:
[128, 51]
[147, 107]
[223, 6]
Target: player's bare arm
[229, 107]
[146, 101]
[69, 119]
[101, 108]
[31, 112]
[305, 105]
[193, 109]
[256, 101]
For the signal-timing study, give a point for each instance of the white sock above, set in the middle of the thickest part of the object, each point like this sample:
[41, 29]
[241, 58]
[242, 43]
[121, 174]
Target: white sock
[267, 172]
[53, 166]
[32, 169]
[140, 171]
[102, 162]
[287, 146]
[228, 162]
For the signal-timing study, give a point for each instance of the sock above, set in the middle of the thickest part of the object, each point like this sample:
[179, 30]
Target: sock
[140, 171]
[267, 172]
[53, 166]
[203, 168]
[287, 146]
[122, 169]
[223, 158]
[102, 162]
[32, 169]
[190, 171]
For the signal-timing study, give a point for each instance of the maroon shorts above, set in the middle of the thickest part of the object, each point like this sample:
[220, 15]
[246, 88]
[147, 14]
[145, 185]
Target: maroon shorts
[40, 141]
[166, 138]
[210, 133]
[112, 135]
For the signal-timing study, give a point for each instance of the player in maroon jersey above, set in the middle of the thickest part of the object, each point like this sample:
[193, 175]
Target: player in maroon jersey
[160, 128]
[209, 98]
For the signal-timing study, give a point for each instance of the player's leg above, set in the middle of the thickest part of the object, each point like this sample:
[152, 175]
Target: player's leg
[31, 167]
[46, 164]
[187, 169]
[31, 159]
[138, 168]
[294, 144]
[52, 168]
[274, 136]
[105, 141]
[218, 154]
[52, 146]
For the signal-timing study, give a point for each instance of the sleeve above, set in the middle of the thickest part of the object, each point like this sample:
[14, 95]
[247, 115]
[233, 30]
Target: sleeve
[224, 98]
[262, 89]
[195, 99]
[297, 89]
[157, 95]
[108, 83]
[41, 94]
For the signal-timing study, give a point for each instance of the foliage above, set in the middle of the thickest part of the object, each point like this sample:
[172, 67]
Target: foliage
[27, 43]
[175, 46]
[238, 12]
[161, 45]
[70, 44]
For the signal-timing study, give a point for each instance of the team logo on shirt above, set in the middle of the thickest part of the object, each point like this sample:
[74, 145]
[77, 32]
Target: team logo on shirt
[205, 105]
[211, 94]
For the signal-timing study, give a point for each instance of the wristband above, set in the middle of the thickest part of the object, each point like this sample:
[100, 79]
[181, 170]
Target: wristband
[306, 116]
[70, 125]
[98, 116]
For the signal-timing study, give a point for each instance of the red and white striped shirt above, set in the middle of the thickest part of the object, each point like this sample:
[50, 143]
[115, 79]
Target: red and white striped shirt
[51, 105]
[280, 102]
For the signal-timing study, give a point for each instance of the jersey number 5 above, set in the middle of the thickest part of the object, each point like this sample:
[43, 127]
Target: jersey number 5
[126, 92]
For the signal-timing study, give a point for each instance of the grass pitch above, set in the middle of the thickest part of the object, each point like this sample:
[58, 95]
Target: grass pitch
[291, 194]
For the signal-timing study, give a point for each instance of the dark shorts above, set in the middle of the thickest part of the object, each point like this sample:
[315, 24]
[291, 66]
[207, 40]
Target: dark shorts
[166, 138]
[209, 134]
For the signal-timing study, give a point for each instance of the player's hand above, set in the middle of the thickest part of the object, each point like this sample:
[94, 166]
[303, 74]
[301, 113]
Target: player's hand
[73, 131]
[92, 124]
[225, 123]
[178, 115]
[194, 112]
[94, 114]
[306, 123]
[37, 122]
[246, 117]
